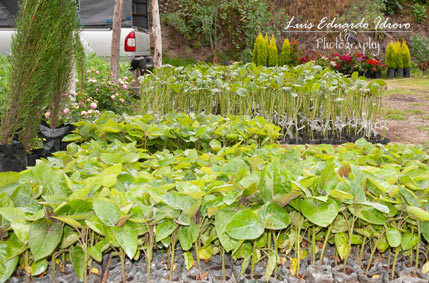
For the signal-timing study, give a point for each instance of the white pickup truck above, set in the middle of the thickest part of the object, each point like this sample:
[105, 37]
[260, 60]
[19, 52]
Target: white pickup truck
[96, 17]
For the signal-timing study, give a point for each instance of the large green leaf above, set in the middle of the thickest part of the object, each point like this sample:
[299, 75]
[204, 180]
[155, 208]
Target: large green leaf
[8, 178]
[44, 237]
[51, 180]
[38, 267]
[369, 214]
[425, 230]
[164, 229]
[245, 225]
[76, 209]
[108, 176]
[77, 257]
[178, 200]
[274, 216]
[223, 217]
[107, 211]
[319, 212]
[418, 213]
[274, 181]
[188, 235]
[7, 266]
[127, 237]
[409, 240]
[14, 246]
[410, 197]
[393, 236]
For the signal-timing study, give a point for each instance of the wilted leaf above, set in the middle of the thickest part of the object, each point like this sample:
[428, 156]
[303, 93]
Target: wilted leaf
[341, 244]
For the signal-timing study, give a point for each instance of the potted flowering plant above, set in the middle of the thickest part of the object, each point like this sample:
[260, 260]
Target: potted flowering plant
[360, 63]
[374, 68]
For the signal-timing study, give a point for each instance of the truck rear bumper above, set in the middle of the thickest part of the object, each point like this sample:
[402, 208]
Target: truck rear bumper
[143, 63]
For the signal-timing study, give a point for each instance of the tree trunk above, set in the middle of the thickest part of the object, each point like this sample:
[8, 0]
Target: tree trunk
[156, 31]
[116, 37]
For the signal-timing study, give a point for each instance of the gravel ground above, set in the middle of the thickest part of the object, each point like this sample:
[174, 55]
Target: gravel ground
[329, 271]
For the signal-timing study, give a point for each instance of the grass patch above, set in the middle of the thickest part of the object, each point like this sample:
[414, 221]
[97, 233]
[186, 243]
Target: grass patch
[394, 114]
[177, 62]
[402, 91]
[423, 128]
[425, 117]
[415, 111]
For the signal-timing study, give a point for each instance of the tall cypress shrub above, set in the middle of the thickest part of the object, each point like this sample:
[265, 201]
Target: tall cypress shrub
[262, 51]
[65, 27]
[389, 59]
[398, 56]
[266, 52]
[257, 49]
[273, 55]
[36, 70]
[406, 56]
[285, 53]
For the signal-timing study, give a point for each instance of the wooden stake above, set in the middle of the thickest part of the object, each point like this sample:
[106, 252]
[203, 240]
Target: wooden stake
[156, 31]
[116, 37]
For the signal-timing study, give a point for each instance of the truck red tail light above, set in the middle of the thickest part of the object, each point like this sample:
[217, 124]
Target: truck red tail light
[130, 42]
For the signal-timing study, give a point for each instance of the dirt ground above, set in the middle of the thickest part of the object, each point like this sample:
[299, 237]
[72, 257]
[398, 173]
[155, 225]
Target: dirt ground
[406, 107]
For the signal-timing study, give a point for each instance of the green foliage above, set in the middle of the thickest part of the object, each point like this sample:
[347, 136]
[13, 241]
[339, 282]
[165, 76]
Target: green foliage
[280, 95]
[390, 56]
[393, 6]
[370, 8]
[177, 62]
[259, 55]
[353, 194]
[96, 88]
[39, 65]
[175, 131]
[285, 54]
[208, 21]
[4, 81]
[273, 55]
[64, 55]
[406, 57]
[420, 47]
[419, 13]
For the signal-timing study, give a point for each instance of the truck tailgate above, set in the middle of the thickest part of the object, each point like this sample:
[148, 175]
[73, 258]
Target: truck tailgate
[142, 43]
[99, 40]
[5, 39]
